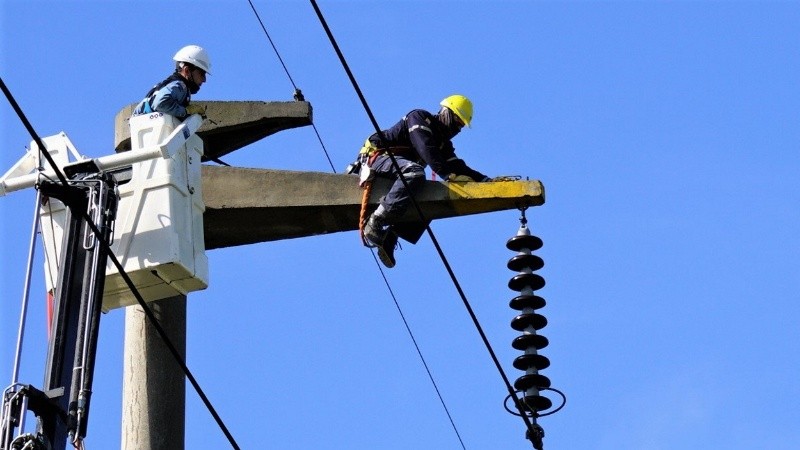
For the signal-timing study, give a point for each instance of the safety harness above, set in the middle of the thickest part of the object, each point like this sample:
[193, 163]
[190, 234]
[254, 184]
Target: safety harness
[151, 94]
[366, 157]
[362, 166]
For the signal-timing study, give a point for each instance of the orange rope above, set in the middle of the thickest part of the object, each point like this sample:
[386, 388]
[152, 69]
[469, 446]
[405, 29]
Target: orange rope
[362, 219]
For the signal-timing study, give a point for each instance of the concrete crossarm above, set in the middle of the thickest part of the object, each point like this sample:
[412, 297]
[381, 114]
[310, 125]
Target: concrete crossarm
[230, 125]
[246, 206]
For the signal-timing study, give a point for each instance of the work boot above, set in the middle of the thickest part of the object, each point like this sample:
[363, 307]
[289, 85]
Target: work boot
[373, 231]
[386, 249]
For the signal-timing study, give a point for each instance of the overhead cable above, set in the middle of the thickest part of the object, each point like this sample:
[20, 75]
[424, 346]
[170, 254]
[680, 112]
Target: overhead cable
[107, 247]
[385, 280]
[298, 95]
[487, 344]
[419, 351]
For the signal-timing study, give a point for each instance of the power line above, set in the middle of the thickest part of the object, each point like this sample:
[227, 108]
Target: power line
[383, 275]
[298, 95]
[31, 131]
[169, 344]
[419, 351]
[509, 387]
[107, 248]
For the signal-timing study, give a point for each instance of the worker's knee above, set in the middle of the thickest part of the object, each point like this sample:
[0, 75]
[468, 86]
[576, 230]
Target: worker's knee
[413, 173]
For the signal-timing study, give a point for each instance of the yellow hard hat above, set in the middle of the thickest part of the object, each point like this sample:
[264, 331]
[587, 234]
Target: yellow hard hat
[461, 106]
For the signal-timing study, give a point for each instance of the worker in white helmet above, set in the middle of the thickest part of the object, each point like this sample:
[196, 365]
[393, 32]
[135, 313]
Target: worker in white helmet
[173, 95]
[418, 140]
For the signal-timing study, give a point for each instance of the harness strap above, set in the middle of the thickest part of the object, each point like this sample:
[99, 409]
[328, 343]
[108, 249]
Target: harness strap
[369, 151]
[151, 94]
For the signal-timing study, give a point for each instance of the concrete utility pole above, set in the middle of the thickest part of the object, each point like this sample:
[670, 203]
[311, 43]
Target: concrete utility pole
[246, 206]
[154, 386]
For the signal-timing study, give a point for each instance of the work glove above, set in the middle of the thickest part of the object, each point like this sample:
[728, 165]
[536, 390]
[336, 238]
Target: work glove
[457, 178]
[195, 109]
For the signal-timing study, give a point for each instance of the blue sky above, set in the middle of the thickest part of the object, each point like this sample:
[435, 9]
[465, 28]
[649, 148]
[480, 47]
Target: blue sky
[665, 134]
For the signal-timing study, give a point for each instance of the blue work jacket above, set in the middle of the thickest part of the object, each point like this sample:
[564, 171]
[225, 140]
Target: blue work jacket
[419, 136]
[171, 96]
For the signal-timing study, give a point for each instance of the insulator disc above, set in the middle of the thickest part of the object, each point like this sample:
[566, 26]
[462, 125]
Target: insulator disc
[517, 243]
[518, 283]
[522, 261]
[525, 362]
[537, 402]
[527, 341]
[523, 321]
[531, 380]
[521, 302]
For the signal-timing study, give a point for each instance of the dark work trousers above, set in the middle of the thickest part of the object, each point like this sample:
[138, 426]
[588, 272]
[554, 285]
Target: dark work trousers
[396, 201]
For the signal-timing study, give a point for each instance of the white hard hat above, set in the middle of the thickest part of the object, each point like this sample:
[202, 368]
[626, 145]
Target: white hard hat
[194, 55]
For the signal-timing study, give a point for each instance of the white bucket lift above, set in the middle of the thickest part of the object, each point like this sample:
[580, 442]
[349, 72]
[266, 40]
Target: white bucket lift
[52, 212]
[158, 232]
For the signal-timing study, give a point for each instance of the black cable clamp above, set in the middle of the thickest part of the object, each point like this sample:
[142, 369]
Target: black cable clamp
[522, 219]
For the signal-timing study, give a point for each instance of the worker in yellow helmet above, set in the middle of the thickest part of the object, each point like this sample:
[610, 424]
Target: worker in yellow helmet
[172, 96]
[418, 140]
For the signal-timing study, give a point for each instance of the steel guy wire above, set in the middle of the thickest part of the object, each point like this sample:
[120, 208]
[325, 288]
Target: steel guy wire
[435, 242]
[107, 248]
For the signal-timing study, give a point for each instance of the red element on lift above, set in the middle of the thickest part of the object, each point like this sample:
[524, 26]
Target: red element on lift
[49, 306]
